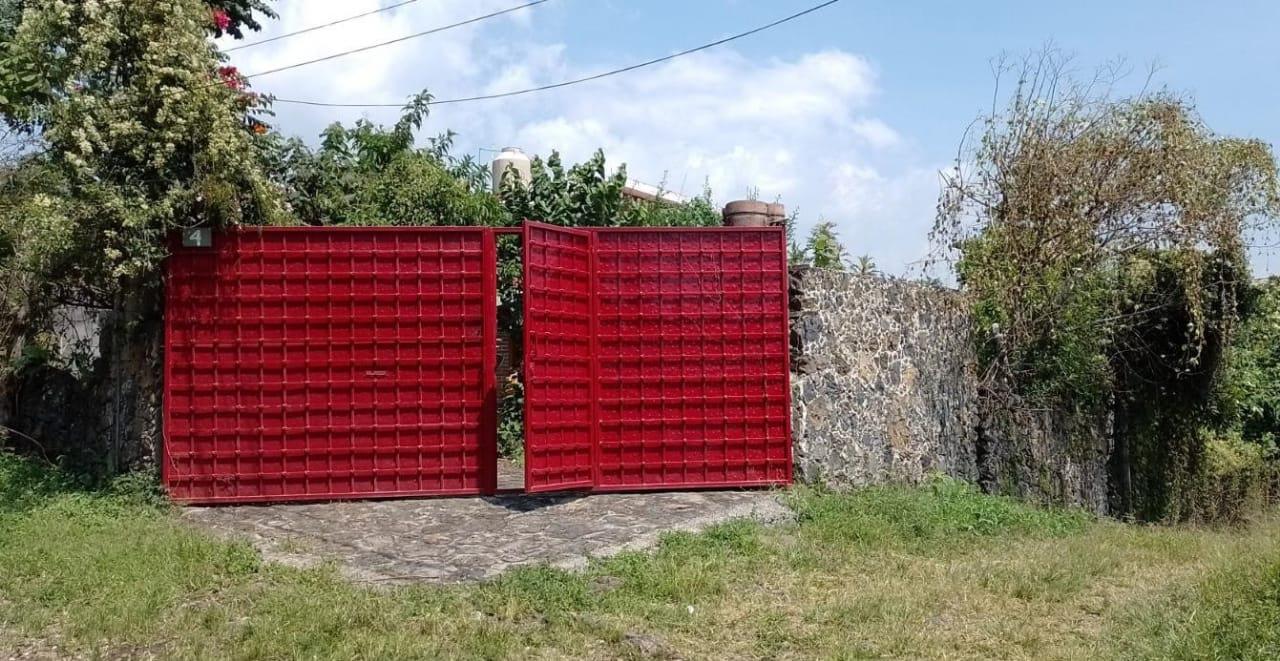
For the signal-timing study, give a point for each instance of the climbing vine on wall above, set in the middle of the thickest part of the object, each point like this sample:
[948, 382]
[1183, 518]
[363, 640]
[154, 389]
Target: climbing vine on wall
[1101, 238]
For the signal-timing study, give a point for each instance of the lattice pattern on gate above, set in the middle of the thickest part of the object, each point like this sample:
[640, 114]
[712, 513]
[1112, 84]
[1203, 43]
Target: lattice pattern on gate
[321, 363]
[559, 395]
[692, 358]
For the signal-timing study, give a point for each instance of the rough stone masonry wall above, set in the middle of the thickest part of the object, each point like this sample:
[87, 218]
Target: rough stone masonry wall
[884, 389]
[106, 419]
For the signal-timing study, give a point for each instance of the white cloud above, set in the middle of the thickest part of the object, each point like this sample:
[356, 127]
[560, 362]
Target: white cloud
[894, 213]
[801, 129]
[876, 133]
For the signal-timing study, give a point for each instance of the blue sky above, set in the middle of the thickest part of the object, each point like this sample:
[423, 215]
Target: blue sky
[846, 114]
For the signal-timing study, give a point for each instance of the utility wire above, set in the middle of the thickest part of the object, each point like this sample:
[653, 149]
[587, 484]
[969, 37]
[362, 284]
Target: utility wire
[318, 27]
[216, 82]
[397, 40]
[442, 28]
[575, 81]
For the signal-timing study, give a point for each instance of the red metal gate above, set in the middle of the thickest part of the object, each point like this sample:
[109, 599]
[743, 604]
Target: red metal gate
[323, 363]
[558, 374]
[310, 363]
[688, 380]
[692, 358]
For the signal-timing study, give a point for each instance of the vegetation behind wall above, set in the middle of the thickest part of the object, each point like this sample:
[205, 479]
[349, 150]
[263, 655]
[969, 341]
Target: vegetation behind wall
[1101, 240]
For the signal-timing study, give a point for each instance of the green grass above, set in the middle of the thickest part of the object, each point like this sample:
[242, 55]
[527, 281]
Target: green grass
[940, 571]
[1233, 614]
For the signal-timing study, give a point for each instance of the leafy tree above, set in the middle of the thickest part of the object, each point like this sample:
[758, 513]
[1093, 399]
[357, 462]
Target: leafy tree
[1061, 199]
[1101, 241]
[127, 127]
[823, 249]
[865, 265]
[10, 16]
[796, 254]
[375, 175]
[584, 195]
[698, 211]
[135, 119]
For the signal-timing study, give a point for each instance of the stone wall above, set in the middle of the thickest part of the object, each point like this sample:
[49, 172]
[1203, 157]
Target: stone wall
[884, 389]
[106, 417]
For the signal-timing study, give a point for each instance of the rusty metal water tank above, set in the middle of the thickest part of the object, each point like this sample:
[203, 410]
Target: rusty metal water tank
[777, 214]
[746, 213]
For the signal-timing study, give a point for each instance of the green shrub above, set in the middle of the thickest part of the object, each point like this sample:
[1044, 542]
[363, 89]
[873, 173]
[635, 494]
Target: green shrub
[27, 483]
[1248, 393]
[24, 483]
[511, 422]
[1234, 481]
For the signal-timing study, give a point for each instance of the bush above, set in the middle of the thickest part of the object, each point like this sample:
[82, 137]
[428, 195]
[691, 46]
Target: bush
[511, 421]
[27, 483]
[1248, 394]
[1235, 480]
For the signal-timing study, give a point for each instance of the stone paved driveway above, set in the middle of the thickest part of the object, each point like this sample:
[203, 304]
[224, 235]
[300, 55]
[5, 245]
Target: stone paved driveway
[459, 539]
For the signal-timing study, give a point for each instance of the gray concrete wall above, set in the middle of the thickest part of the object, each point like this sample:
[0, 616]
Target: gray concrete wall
[884, 389]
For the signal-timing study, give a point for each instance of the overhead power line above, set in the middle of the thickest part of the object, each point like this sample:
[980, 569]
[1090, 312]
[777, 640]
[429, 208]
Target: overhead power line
[318, 27]
[397, 40]
[575, 81]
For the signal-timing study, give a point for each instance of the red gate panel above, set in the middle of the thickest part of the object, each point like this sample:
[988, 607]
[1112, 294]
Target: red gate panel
[559, 417]
[323, 363]
[692, 358]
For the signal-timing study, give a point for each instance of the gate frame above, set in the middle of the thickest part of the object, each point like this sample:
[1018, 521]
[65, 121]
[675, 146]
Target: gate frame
[593, 405]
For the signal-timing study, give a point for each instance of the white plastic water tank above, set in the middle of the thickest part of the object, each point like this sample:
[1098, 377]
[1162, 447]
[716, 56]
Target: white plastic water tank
[512, 158]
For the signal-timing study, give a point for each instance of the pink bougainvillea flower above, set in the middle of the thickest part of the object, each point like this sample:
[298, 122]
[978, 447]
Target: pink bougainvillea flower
[231, 77]
[220, 19]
